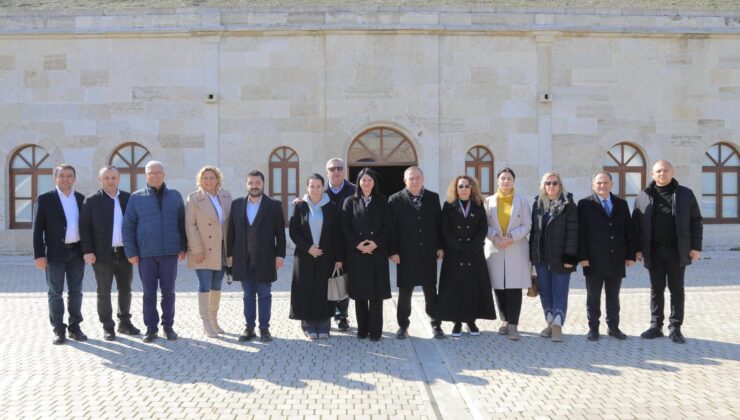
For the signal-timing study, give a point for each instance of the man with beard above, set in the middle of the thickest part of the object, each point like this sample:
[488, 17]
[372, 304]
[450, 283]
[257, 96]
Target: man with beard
[256, 250]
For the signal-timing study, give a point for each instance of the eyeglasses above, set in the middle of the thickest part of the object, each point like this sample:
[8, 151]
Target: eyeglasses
[552, 183]
[335, 169]
[463, 187]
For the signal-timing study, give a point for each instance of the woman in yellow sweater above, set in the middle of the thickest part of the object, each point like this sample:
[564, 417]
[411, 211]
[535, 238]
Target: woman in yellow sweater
[507, 250]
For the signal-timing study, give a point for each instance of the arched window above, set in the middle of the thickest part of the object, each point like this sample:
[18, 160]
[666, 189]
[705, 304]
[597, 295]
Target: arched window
[388, 151]
[626, 164]
[130, 159]
[284, 178]
[479, 164]
[720, 178]
[30, 175]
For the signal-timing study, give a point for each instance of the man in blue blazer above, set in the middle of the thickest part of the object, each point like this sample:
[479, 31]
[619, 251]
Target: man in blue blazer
[56, 251]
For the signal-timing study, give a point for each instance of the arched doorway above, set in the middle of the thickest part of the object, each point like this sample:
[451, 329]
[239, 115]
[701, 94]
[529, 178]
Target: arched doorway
[387, 151]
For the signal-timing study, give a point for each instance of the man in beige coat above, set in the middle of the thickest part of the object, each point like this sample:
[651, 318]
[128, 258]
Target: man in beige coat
[206, 219]
[507, 250]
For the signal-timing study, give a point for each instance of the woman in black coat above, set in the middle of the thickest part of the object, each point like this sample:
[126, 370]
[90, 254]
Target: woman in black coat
[464, 286]
[553, 250]
[366, 223]
[315, 229]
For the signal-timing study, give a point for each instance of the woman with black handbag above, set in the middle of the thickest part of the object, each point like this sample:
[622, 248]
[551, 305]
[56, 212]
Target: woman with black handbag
[316, 231]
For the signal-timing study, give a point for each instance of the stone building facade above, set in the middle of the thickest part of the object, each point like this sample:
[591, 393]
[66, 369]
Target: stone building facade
[453, 89]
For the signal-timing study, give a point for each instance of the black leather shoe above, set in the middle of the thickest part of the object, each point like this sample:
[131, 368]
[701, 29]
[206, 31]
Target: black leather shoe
[593, 334]
[438, 333]
[343, 324]
[248, 334]
[126, 327]
[677, 337]
[473, 329]
[170, 334]
[77, 335]
[362, 336]
[374, 338]
[617, 333]
[150, 336]
[109, 334]
[652, 332]
[59, 338]
[265, 335]
[402, 334]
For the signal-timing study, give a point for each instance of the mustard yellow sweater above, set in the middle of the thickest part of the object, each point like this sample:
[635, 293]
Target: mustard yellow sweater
[503, 209]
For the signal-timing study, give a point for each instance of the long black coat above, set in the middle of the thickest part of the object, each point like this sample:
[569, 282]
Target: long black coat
[310, 275]
[50, 226]
[368, 276]
[415, 238]
[270, 227]
[96, 223]
[605, 241]
[464, 285]
[561, 236]
[689, 229]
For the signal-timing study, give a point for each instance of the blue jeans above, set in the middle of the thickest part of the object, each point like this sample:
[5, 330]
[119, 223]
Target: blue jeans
[253, 288]
[209, 279]
[158, 272]
[321, 326]
[553, 293]
[74, 268]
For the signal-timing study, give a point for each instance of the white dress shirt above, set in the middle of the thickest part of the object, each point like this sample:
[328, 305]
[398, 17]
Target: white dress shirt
[117, 221]
[72, 214]
[217, 206]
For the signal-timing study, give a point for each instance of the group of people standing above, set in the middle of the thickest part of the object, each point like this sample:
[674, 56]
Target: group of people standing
[491, 249]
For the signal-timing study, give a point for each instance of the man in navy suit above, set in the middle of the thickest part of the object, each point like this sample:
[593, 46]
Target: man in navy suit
[57, 251]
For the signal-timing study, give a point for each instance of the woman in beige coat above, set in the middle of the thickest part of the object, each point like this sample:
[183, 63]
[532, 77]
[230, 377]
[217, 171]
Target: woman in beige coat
[507, 250]
[206, 218]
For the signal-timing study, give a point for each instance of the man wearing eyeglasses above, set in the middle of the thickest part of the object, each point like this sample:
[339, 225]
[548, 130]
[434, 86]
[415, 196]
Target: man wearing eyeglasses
[338, 189]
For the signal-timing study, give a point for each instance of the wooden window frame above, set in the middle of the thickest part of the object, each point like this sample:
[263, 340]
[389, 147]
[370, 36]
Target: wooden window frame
[283, 165]
[134, 168]
[34, 171]
[475, 160]
[621, 168]
[385, 157]
[718, 169]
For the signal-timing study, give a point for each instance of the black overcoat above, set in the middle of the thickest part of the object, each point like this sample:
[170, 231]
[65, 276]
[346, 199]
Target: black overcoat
[270, 227]
[561, 236]
[310, 275]
[605, 241]
[50, 226]
[368, 275]
[415, 238]
[464, 285]
[689, 229]
[96, 223]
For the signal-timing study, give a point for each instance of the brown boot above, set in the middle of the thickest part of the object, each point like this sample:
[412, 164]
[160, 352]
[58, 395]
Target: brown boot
[214, 303]
[513, 332]
[203, 310]
[504, 328]
[547, 332]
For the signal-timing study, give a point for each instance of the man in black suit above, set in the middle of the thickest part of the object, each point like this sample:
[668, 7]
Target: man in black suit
[415, 246]
[56, 250]
[256, 250]
[606, 244]
[102, 246]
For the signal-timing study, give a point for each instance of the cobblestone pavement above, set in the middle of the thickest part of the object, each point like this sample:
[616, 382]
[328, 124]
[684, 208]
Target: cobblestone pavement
[469, 377]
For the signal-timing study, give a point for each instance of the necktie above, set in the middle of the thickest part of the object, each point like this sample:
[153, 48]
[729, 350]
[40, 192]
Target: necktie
[608, 210]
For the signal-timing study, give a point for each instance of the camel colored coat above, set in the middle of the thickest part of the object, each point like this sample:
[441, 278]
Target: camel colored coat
[205, 233]
[509, 268]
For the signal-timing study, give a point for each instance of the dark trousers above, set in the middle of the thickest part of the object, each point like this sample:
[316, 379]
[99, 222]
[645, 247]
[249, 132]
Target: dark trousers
[403, 311]
[73, 267]
[159, 272]
[666, 269]
[341, 309]
[369, 315]
[509, 304]
[262, 292]
[121, 269]
[611, 286]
